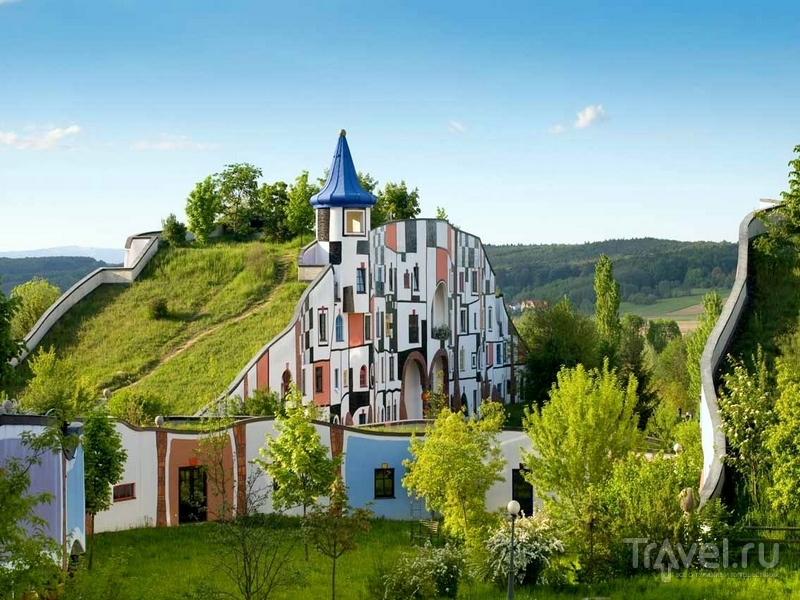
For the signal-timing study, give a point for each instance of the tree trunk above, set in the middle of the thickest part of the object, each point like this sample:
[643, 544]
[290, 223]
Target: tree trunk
[91, 544]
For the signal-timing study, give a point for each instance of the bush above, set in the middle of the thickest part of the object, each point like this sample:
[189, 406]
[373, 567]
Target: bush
[263, 403]
[157, 308]
[173, 231]
[425, 573]
[534, 544]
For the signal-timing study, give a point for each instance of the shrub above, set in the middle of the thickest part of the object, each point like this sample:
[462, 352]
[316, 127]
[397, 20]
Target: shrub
[263, 403]
[534, 544]
[427, 572]
[173, 231]
[157, 308]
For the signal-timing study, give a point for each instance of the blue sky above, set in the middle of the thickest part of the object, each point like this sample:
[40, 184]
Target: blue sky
[530, 122]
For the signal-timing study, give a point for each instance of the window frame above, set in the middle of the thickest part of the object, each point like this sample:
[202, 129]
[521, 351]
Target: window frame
[339, 327]
[363, 221]
[122, 487]
[367, 327]
[361, 280]
[384, 475]
[413, 326]
[322, 324]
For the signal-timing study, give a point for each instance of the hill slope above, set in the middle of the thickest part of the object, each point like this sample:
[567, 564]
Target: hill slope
[224, 303]
[62, 271]
[647, 269]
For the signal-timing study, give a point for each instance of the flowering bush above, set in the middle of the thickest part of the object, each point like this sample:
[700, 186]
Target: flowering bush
[427, 572]
[534, 544]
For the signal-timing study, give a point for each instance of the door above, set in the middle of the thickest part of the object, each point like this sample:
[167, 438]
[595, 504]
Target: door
[193, 497]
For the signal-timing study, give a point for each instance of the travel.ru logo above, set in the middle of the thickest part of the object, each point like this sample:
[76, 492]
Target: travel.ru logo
[667, 557]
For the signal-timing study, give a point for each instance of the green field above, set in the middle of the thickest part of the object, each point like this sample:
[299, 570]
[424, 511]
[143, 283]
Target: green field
[684, 309]
[224, 302]
[170, 563]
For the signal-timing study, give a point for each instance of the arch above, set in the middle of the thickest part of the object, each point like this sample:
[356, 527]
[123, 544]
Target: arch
[286, 381]
[414, 382]
[439, 307]
[439, 372]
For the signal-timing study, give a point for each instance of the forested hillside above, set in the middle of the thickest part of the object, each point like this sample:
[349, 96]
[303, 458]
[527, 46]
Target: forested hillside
[647, 269]
[62, 271]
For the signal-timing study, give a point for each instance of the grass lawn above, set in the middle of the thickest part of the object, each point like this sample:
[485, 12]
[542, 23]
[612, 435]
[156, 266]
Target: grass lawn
[225, 301]
[167, 564]
[685, 310]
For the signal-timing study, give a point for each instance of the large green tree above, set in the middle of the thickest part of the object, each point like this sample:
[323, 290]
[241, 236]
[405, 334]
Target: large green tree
[454, 466]
[631, 360]
[275, 210]
[104, 463]
[589, 423]
[33, 297]
[555, 336]
[299, 212]
[203, 207]
[55, 387]
[10, 346]
[241, 202]
[395, 202]
[606, 312]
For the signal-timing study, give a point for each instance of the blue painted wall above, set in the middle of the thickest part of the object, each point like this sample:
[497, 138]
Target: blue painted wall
[362, 456]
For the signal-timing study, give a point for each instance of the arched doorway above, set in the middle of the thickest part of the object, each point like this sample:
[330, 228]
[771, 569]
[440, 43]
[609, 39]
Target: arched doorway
[440, 316]
[438, 375]
[286, 381]
[413, 384]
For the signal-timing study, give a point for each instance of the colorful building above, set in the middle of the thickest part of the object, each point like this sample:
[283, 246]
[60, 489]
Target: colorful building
[391, 314]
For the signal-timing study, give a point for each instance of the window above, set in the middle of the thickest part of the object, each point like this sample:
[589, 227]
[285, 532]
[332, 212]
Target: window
[499, 353]
[474, 282]
[474, 360]
[362, 376]
[461, 282]
[339, 329]
[380, 324]
[390, 324]
[383, 369]
[367, 327]
[303, 382]
[323, 326]
[391, 278]
[336, 379]
[413, 329]
[361, 280]
[463, 320]
[461, 360]
[317, 380]
[336, 297]
[415, 278]
[391, 368]
[406, 280]
[490, 318]
[124, 491]
[379, 280]
[384, 483]
[345, 378]
[475, 321]
[354, 222]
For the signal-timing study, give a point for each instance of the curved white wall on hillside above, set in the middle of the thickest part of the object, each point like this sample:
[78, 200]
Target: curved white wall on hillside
[138, 252]
[714, 353]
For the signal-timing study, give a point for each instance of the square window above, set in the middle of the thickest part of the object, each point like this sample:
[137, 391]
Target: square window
[354, 222]
[384, 483]
[124, 491]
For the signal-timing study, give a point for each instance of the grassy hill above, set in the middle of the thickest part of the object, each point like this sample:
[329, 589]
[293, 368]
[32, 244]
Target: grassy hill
[63, 271]
[224, 303]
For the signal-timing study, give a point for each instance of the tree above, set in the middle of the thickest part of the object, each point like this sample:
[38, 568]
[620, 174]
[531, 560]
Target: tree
[10, 346]
[606, 313]
[33, 298]
[660, 332]
[396, 202]
[203, 208]
[296, 460]
[54, 387]
[556, 336]
[333, 529]
[275, 206]
[631, 362]
[299, 212]
[696, 341]
[104, 463]
[173, 231]
[240, 198]
[454, 466]
[441, 213]
[23, 540]
[588, 424]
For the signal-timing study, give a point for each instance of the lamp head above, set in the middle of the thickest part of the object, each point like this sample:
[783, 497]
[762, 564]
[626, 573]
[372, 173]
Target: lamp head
[513, 508]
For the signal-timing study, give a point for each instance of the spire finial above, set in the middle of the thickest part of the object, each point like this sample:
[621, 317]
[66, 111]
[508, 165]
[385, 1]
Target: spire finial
[342, 133]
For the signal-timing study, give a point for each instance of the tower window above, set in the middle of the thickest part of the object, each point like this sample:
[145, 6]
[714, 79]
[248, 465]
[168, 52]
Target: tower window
[354, 222]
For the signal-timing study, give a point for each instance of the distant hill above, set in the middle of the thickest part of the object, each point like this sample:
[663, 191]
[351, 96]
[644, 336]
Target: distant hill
[111, 256]
[647, 269]
[62, 271]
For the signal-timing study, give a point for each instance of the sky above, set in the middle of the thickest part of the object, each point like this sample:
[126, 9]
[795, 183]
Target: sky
[529, 122]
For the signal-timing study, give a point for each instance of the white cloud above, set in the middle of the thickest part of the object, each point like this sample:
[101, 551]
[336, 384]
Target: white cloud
[8, 1]
[456, 127]
[556, 129]
[594, 113]
[38, 138]
[172, 142]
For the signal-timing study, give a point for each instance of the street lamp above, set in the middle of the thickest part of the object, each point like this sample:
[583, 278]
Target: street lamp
[513, 511]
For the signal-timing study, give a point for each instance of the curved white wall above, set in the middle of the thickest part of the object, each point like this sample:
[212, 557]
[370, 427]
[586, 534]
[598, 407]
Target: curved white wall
[138, 252]
[713, 439]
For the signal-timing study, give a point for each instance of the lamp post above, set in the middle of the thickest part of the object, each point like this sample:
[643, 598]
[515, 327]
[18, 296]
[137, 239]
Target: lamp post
[513, 511]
